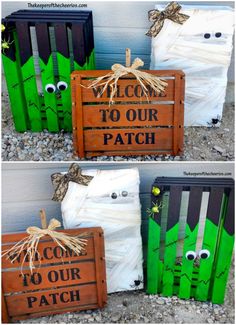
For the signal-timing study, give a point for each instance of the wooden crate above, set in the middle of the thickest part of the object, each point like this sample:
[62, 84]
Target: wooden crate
[34, 108]
[58, 285]
[204, 278]
[131, 126]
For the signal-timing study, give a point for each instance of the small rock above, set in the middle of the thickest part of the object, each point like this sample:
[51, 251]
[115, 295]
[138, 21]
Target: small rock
[125, 302]
[219, 149]
[115, 317]
[160, 302]
[210, 320]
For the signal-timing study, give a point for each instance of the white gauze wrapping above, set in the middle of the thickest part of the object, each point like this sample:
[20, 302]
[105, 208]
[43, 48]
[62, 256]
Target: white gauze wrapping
[204, 61]
[120, 218]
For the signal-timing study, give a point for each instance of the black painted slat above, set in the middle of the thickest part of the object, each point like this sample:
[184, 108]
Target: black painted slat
[43, 40]
[214, 204]
[229, 218]
[194, 206]
[61, 38]
[25, 47]
[78, 41]
[174, 206]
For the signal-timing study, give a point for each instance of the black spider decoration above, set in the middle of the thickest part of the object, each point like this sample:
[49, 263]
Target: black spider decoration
[215, 121]
[137, 283]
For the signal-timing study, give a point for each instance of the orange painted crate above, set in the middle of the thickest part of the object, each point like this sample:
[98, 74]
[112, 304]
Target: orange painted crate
[59, 284]
[133, 125]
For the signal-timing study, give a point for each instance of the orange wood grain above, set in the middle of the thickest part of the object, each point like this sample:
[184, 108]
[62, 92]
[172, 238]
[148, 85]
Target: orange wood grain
[102, 115]
[51, 253]
[131, 94]
[45, 277]
[24, 303]
[94, 139]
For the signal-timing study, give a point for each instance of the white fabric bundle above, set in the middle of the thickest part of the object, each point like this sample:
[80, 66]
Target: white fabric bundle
[111, 201]
[205, 61]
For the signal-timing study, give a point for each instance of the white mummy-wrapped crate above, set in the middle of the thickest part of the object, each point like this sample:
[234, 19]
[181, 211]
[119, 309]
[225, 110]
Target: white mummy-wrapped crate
[111, 201]
[201, 47]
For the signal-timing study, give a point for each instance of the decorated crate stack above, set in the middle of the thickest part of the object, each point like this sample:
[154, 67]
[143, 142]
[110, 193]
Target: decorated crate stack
[64, 41]
[201, 269]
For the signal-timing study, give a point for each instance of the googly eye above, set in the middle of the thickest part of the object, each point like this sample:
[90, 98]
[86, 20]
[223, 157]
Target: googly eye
[207, 35]
[50, 88]
[218, 34]
[204, 254]
[114, 195]
[124, 193]
[191, 255]
[62, 85]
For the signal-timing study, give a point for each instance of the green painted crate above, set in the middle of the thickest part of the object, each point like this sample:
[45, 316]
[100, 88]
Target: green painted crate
[199, 273]
[65, 43]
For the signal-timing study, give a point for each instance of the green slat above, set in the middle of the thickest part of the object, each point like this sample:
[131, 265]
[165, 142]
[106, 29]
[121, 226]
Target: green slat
[78, 67]
[224, 254]
[50, 101]
[187, 265]
[190, 239]
[222, 268]
[211, 232]
[204, 278]
[64, 75]
[169, 260]
[153, 262]
[171, 239]
[31, 95]
[91, 61]
[15, 90]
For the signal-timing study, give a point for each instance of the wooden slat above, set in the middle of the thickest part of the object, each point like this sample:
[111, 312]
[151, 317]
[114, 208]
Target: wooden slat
[129, 153]
[28, 75]
[225, 252]
[177, 112]
[181, 116]
[99, 73]
[4, 317]
[117, 139]
[79, 120]
[64, 69]
[171, 239]
[47, 75]
[209, 242]
[11, 63]
[125, 115]
[50, 252]
[191, 232]
[46, 277]
[128, 90]
[78, 42]
[69, 296]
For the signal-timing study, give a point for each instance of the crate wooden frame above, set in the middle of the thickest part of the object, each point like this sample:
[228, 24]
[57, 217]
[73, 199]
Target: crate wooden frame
[208, 280]
[88, 127]
[91, 284]
[73, 50]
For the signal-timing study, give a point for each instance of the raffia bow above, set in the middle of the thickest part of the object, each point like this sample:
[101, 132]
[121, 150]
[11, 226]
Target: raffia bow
[30, 243]
[158, 17]
[145, 79]
[61, 182]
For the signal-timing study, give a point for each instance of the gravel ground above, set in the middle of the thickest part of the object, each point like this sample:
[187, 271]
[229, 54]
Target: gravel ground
[137, 307]
[200, 143]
